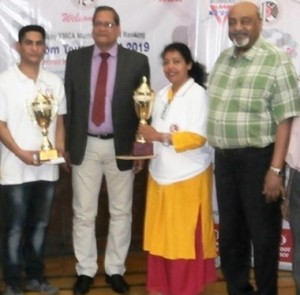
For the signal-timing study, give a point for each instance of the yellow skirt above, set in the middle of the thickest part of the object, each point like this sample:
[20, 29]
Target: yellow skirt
[171, 217]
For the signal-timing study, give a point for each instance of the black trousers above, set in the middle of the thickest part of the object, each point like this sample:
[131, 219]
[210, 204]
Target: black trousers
[246, 221]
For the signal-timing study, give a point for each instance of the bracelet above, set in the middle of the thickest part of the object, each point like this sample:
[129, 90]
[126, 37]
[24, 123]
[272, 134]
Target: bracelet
[166, 140]
[277, 171]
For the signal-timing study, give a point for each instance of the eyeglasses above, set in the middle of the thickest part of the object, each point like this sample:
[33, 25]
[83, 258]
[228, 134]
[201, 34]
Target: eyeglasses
[105, 25]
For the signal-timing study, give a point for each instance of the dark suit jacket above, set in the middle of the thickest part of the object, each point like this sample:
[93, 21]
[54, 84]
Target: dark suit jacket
[131, 67]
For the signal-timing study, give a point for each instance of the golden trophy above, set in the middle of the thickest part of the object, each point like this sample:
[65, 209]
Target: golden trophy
[43, 110]
[143, 98]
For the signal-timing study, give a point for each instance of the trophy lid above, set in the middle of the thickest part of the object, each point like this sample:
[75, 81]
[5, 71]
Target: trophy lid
[144, 90]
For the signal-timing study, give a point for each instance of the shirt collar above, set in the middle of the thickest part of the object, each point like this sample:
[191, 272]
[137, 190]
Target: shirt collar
[183, 89]
[251, 53]
[23, 77]
[112, 51]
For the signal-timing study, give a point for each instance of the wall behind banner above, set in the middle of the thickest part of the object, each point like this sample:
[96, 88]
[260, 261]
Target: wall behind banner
[148, 25]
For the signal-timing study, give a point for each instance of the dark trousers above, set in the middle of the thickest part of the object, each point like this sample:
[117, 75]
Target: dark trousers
[246, 221]
[26, 212]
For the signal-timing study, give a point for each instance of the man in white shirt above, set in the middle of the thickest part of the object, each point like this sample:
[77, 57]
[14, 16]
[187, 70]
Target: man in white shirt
[27, 185]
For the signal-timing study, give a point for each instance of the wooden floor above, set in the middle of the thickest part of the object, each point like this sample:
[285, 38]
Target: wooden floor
[60, 271]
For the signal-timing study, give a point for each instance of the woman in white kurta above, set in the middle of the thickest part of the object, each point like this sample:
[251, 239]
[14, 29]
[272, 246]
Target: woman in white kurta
[179, 233]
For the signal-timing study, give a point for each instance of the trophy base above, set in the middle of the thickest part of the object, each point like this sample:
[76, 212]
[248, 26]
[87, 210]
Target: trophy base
[58, 160]
[140, 151]
[48, 155]
[130, 157]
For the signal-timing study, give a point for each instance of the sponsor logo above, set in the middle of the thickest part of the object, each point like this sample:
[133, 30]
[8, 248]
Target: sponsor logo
[84, 3]
[283, 240]
[285, 249]
[270, 11]
[219, 9]
[283, 40]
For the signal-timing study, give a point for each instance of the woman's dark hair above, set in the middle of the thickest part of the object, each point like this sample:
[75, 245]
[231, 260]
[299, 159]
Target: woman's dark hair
[198, 71]
[31, 28]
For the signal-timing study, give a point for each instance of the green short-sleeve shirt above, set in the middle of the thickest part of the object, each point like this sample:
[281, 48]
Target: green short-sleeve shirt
[250, 95]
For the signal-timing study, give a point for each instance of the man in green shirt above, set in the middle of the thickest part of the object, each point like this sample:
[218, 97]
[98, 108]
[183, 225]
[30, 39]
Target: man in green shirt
[253, 96]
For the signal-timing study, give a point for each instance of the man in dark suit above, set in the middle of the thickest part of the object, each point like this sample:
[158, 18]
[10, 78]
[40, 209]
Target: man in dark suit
[93, 147]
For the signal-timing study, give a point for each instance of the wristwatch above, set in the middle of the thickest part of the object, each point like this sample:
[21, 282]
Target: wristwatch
[166, 140]
[277, 171]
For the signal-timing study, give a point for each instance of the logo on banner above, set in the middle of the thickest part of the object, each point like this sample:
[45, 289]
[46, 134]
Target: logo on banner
[285, 251]
[85, 3]
[219, 9]
[270, 11]
[283, 40]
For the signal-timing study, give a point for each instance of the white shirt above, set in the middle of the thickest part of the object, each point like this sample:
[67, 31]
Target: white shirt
[16, 92]
[187, 112]
[293, 154]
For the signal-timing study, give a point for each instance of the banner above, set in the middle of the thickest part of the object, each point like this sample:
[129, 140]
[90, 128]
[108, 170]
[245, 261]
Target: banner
[280, 26]
[147, 26]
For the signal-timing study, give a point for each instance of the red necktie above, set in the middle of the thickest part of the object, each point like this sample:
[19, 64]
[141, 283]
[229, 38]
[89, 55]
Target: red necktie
[98, 114]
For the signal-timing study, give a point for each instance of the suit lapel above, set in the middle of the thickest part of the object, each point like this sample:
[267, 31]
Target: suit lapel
[85, 69]
[121, 65]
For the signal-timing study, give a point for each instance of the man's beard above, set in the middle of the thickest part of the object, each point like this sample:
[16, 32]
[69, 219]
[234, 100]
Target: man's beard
[241, 42]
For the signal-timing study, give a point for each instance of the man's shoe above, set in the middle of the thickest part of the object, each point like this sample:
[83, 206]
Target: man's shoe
[13, 290]
[44, 287]
[117, 283]
[82, 285]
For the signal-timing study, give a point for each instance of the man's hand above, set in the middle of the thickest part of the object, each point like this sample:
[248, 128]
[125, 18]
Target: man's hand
[67, 167]
[29, 157]
[273, 187]
[138, 166]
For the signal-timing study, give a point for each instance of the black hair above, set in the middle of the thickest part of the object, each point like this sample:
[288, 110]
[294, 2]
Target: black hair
[30, 28]
[107, 8]
[197, 71]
